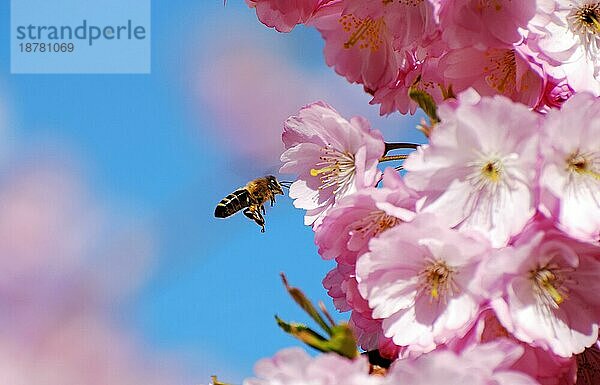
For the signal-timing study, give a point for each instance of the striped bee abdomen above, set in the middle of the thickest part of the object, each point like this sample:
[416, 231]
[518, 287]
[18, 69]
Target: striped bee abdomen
[233, 203]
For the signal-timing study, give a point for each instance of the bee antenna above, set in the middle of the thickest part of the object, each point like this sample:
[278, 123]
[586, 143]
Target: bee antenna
[285, 183]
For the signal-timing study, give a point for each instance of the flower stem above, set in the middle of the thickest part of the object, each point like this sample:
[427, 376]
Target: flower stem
[392, 157]
[400, 145]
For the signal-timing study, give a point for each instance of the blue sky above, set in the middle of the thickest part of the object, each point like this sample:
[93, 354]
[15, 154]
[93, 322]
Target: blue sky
[146, 144]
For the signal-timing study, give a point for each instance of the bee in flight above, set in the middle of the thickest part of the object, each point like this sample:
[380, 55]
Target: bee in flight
[252, 198]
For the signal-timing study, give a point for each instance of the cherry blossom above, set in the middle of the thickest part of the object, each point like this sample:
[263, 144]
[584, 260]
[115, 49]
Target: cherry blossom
[480, 165]
[510, 71]
[414, 73]
[347, 229]
[571, 168]
[480, 365]
[557, 92]
[409, 22]
[295, 366]
[484, 24]
[545, 290]
[546, 367]
[360, 49]
[565, 34]
[370, 336]
[420, 278]
[283, 15]
[332, 156]
[345, 234]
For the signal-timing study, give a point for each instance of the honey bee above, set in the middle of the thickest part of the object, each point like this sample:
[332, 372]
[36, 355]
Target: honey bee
[251, 198]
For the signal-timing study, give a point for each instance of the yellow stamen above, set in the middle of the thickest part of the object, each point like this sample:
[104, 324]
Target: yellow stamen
[579, 164]
[359, 33]
[315, 172]
[491, 171]
[546, 278]
[584, 22]
[501, 70]
[363, 33]
[434, 287]
[589, 16]
[550, 283]
[592, 173]
[337, 169]
[437, 280]
[375, 223]
[596, 23]
[554, 293]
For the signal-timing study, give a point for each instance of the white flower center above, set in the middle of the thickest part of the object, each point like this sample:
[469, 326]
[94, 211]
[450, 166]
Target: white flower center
[337, 170]
[584, 22]
[375, 223]
[487, 173]
[580, 164]
[437, 280]
[583, 175]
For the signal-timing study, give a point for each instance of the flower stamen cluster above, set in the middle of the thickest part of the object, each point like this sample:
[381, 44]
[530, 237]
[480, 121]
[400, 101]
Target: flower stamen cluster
[583, 165]
[501, 72]
[487, 174]
[366, 31]
[584, 22]
[337, 171]
[436, 279]
[374, 224]
[548, 284]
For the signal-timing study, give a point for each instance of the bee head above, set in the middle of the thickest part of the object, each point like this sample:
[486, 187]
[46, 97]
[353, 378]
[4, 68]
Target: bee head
[274, 185]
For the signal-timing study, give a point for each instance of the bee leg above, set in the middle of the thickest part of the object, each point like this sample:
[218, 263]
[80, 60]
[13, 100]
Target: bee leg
[253, 213]
[272, 200]
[260, 220]
[263, 210]
[249, 213]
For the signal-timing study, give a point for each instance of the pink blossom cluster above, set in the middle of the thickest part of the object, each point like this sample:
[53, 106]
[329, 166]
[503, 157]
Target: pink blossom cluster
[536, 52]
[492, 233]
[499, 366]
[479, 263]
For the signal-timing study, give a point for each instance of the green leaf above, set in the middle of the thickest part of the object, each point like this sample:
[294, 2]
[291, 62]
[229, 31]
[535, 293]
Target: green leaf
[426, 102]
[304, 334]
[341, 342]
[306, 305]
